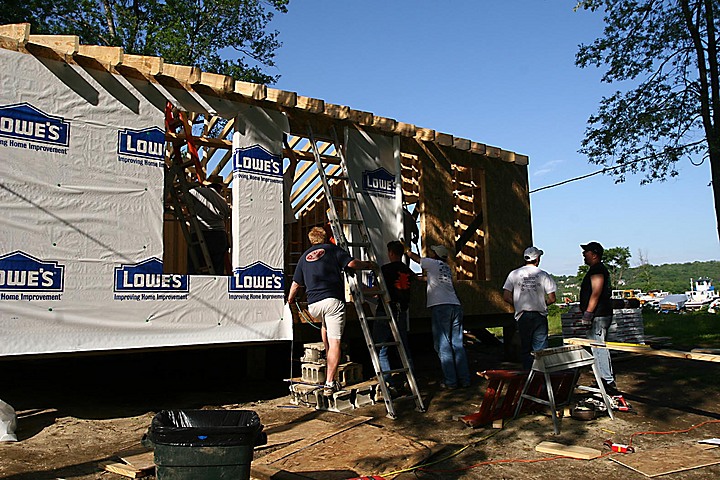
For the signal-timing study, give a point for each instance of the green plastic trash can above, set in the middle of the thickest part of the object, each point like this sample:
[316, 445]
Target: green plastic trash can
[204, 444]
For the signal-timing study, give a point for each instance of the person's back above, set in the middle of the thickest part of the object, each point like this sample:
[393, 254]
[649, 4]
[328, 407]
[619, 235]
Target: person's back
[530, 285]
[320, 269]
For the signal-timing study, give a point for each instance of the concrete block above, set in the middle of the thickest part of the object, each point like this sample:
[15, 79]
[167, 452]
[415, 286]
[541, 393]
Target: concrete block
[365, 396]
[314, 373]
[314, 353]
[303, 394]
[349, 373]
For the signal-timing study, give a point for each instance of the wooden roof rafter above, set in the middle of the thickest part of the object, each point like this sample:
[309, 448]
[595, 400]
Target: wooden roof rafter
[62, 47]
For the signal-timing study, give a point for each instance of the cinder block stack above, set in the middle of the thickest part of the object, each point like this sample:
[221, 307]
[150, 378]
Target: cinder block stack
[314, 374]
[626, 327]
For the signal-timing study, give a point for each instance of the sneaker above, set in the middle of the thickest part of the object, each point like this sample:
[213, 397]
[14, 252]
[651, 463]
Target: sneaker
[610, 388]
[329, 389]
[448, 387]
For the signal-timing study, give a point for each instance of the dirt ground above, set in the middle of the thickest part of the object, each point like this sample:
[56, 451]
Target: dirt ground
[76, 413]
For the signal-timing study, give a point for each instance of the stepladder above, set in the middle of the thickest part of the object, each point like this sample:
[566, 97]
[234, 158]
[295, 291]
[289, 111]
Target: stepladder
[351, 234]
[183, 161]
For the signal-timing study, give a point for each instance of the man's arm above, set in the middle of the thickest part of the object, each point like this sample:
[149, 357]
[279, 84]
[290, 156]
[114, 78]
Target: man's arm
[597, 282]
[294, 288]
[508, 296]
[551, 298]
[356, 264]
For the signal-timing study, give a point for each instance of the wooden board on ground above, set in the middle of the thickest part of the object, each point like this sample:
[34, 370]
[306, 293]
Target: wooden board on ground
[573, 451]
[661, 461]
[135, 466]
[360, 450]
[296, 431]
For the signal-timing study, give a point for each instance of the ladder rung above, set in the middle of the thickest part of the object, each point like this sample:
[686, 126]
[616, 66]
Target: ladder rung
[373, 291]
[379, 318]
[358, 244]
[337, 177]
[349, 221]
[396, 370]
[345, 199]
[385, 344]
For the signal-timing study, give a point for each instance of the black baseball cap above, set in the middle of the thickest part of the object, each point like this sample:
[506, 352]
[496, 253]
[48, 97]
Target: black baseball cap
[594, 247]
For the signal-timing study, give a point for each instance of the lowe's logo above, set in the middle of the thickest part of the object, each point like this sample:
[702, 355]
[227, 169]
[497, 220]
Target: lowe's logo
[257, 278]
[148, 143]
[148, 276]
[20, 272]
[24, 122]
[379, 181]
[257, 160]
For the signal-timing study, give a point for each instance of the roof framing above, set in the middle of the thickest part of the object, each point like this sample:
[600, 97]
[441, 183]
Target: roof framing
[301, 110]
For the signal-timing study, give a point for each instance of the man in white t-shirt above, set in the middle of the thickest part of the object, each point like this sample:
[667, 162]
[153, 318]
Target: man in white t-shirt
[447, 317]
[530, 290]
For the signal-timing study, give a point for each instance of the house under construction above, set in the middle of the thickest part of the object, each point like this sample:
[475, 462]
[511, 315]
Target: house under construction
[93, 244]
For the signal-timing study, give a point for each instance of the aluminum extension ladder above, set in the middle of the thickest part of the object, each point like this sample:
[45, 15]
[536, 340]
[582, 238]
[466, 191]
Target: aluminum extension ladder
[177, 187]
[357, 289]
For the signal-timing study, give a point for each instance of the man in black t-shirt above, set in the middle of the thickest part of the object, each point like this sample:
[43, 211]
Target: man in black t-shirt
[320, 271]
[596, 305]
[398, 278]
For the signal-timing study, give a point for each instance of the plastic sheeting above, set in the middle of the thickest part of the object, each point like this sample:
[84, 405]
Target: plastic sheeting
[81, 185]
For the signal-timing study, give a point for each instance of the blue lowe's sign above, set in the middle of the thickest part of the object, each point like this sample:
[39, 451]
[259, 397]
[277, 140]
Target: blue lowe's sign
[20, 272]
[22, 121]
[147, 143]
[148, 276]
[379, 181]
[257, 160]
[257, 278]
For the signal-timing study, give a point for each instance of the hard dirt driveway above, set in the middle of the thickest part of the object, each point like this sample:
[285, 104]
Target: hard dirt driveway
[76, 413]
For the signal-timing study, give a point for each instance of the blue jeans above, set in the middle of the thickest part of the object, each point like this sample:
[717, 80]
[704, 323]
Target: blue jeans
[382, 333]
[533, 330]
[598, 331]
[447, 330]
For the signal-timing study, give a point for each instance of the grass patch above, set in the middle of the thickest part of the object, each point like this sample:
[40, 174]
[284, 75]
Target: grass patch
[687, 329]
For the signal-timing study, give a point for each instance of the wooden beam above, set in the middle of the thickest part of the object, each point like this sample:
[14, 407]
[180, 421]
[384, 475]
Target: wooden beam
[506, 156]
[405, 129]
[182, 73]
[146, 65]
[312, 105]
[251, 90]
[461, 143]
[492, 152]
[384, 124]
[644, 350]
[17, 31]
[63, 44]
[479, 148]
[200, 141]
[425, 134]
[521, 159]
[112, 56]
[339, 112]
[444, 139]
[363, 118]
[217, 82]
[281, 97]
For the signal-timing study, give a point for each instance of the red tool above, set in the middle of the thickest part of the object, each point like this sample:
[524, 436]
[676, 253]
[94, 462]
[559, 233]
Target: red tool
[619, 447]
[621, 404]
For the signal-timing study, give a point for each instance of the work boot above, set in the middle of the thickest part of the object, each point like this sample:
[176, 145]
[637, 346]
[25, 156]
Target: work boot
[610, 388]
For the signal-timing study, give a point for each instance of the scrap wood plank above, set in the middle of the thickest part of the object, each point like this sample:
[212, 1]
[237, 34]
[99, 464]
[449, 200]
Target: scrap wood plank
[664, 460]
[583, 453]
[135, 466]
[289, 450]
[362, 450]
[643, 349]
[295, 431]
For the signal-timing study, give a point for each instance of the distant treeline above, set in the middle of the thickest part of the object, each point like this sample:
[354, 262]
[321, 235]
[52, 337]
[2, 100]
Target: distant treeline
[670, 277]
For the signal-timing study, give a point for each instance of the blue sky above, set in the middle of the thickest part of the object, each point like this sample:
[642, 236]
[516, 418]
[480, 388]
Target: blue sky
[500, 73]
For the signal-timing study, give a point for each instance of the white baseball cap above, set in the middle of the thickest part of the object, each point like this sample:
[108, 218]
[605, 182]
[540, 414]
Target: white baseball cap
[532, 254]
[440, 250]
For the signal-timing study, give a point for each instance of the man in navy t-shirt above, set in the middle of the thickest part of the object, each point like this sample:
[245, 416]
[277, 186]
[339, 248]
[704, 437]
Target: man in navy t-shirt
[320, 271]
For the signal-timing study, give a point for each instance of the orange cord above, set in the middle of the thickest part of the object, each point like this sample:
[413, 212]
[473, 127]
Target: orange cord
[547, 459]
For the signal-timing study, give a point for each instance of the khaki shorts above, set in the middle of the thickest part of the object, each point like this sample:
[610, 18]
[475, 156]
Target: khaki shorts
[331, 312]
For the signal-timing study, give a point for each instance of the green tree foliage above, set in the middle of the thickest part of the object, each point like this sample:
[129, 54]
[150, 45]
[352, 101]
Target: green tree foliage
[229, 37]
[668, 51]
[617, 261]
